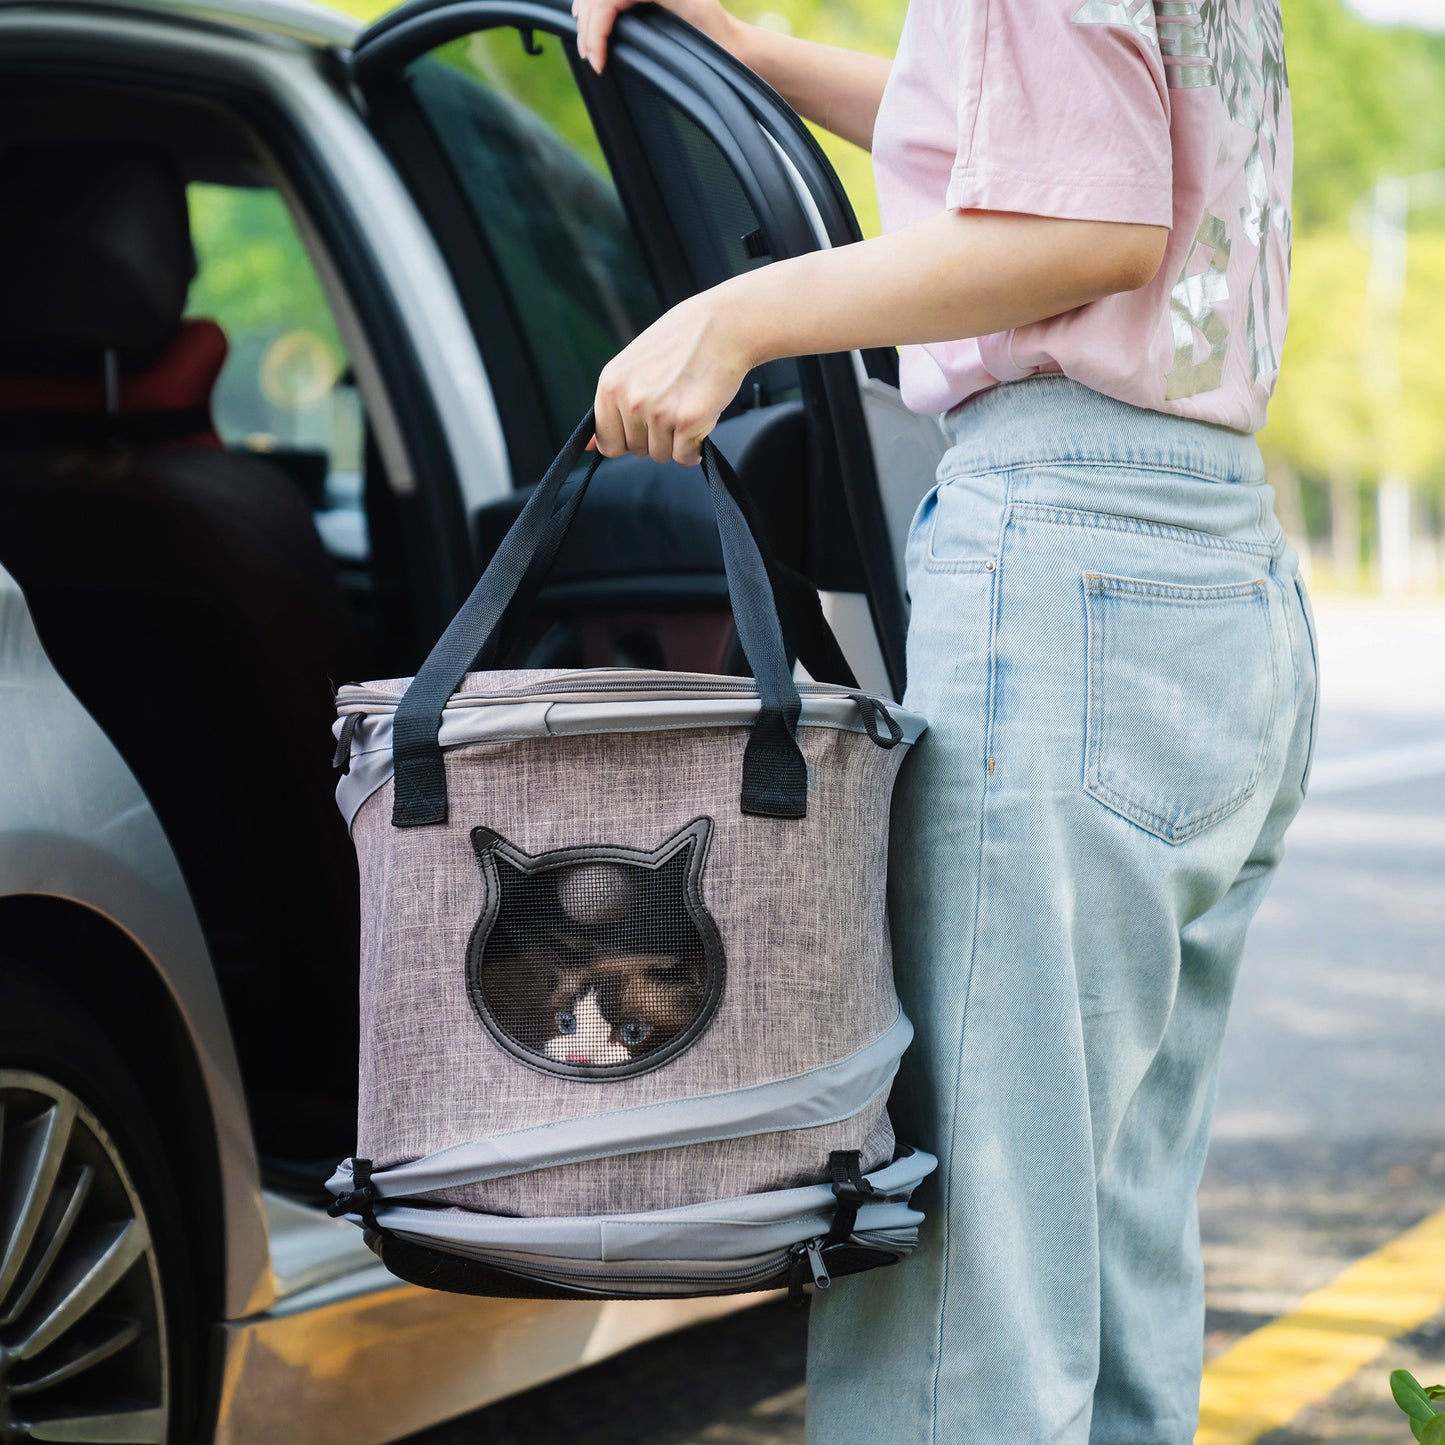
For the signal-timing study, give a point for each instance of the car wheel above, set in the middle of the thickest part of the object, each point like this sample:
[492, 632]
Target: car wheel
[96, 1314]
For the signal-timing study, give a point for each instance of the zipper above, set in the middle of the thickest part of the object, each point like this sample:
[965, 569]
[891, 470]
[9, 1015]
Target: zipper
[753, 1274]
[622, 687]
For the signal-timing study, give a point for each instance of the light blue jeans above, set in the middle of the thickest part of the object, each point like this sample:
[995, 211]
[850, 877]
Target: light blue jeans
[1114, 651]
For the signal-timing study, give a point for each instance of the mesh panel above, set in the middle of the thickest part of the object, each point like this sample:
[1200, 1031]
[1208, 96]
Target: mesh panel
[595, 961]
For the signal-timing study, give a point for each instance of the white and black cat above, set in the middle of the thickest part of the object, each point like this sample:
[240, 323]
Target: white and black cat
[595, 960]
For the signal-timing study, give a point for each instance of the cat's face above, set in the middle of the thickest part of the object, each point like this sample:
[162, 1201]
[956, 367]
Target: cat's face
[622, 1006]
[594, 959]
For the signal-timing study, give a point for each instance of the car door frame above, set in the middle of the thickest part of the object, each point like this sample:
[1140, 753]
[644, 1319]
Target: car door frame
[773, 155]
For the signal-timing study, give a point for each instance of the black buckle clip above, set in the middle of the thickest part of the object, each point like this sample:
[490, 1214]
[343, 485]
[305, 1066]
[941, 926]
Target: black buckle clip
[360, 1199]
[849, 1184]
[851, 1190]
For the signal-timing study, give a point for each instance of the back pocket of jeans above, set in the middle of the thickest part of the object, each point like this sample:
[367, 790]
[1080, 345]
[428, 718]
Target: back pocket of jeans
[1182, 690]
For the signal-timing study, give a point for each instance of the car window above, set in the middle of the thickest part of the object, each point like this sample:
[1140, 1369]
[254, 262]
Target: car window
[719, 225]
[518, 137]
[286, 390]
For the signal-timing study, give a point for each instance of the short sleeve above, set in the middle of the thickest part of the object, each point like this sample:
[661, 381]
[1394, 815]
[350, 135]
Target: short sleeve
[1063, 111]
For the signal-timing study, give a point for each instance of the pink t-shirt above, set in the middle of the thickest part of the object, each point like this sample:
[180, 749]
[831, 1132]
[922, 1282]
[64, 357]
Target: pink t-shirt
[1166, 112]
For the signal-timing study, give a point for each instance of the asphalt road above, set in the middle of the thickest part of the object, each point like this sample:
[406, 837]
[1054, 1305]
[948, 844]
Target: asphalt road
[1330, 1128]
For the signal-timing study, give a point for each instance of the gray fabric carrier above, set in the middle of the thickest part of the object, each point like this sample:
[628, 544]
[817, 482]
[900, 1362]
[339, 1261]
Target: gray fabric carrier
[628, 1022]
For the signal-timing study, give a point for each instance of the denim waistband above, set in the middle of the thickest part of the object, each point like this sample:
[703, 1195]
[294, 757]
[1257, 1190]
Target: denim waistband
[1044, 419]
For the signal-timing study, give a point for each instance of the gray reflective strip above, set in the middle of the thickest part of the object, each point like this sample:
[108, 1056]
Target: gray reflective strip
[539, 718]
[696, 1237]
[820, 1096]
[639, 1238]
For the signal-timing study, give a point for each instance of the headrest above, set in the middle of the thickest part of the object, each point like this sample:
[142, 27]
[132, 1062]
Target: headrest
[95, 254]
[169, 401]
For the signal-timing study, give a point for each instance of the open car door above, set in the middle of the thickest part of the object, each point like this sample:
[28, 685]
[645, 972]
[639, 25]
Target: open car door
[573, 209]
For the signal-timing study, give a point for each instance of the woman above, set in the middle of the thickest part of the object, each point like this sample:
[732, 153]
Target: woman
[1086, 200]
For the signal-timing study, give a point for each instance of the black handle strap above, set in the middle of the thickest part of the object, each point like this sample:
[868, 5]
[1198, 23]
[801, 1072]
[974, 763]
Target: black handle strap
[804, 624]
[805, 629]
[420, 777]
[559, 525]
[775, 776]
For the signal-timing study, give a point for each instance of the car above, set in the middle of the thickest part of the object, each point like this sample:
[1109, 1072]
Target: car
[293, 313]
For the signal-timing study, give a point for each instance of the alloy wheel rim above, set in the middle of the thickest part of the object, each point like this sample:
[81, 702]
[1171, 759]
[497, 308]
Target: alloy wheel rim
[82, 1318]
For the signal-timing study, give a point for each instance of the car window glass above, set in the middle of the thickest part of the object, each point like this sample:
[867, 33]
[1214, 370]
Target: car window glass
[720, 227]
[522, 147]
[286, 391]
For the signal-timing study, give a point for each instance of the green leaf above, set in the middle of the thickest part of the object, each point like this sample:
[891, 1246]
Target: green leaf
[1434, 1432]
[1411, 1397]
[1435, 1392]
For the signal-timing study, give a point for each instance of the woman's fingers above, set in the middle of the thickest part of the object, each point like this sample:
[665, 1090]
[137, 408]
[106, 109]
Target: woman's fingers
[609, 434]
[660, 437]
[595, 19]
[623, 429]
[634, 428]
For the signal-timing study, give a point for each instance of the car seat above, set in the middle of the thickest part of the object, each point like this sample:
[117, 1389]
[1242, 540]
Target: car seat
[184, 594]
[639, 581]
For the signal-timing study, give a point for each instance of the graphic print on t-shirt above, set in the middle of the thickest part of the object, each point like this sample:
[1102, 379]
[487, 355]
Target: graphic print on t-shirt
[1168, 113]
[1241, 55]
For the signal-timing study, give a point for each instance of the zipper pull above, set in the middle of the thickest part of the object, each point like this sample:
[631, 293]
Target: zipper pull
[821, 1278]
[812, 1251]
[341, 758]
[795, 1276]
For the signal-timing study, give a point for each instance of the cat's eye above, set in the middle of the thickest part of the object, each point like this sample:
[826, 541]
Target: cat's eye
[566, 1021]
[634, 1032]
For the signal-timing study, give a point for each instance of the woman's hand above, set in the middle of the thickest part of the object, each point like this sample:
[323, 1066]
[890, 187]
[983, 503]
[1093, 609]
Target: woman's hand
[839, 89]
[595, 19]
[662, 394]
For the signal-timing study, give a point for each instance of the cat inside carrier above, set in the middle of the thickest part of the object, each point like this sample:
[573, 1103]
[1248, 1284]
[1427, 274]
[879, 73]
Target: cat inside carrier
[628, 1015]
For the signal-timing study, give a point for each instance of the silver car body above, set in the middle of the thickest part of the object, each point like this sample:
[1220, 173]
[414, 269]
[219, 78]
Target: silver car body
[315, 1332]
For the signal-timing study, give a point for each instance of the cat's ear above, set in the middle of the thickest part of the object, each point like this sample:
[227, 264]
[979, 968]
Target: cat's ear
[692, 839]
[489, 844]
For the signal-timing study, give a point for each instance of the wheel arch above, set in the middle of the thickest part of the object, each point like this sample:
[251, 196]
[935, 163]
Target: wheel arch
[118, 983]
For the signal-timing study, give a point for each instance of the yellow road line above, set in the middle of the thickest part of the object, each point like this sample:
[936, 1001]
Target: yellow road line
[1264, 1380]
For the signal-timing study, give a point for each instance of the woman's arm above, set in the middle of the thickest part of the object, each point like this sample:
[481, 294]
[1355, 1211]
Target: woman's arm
[956, 274]
[835, 88]
[838, 89]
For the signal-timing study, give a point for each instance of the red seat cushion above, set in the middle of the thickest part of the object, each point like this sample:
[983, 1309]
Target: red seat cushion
[182, 380]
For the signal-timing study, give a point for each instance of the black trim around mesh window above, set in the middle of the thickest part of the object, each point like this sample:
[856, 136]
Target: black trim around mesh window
[533, 952]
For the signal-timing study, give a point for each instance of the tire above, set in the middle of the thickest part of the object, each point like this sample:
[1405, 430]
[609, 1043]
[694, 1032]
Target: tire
[98, 1320]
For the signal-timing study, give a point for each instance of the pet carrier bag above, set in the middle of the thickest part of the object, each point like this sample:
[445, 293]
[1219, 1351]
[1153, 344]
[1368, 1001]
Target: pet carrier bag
[627, 1009]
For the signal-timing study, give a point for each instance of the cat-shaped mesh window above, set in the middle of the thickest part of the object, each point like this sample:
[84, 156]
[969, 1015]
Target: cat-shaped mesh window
[595, 962]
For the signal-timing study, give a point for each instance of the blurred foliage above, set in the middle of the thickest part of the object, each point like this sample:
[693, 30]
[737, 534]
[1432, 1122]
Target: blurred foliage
[1323, 418]
[1368, 101]
[253, 275]
[284, 355]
